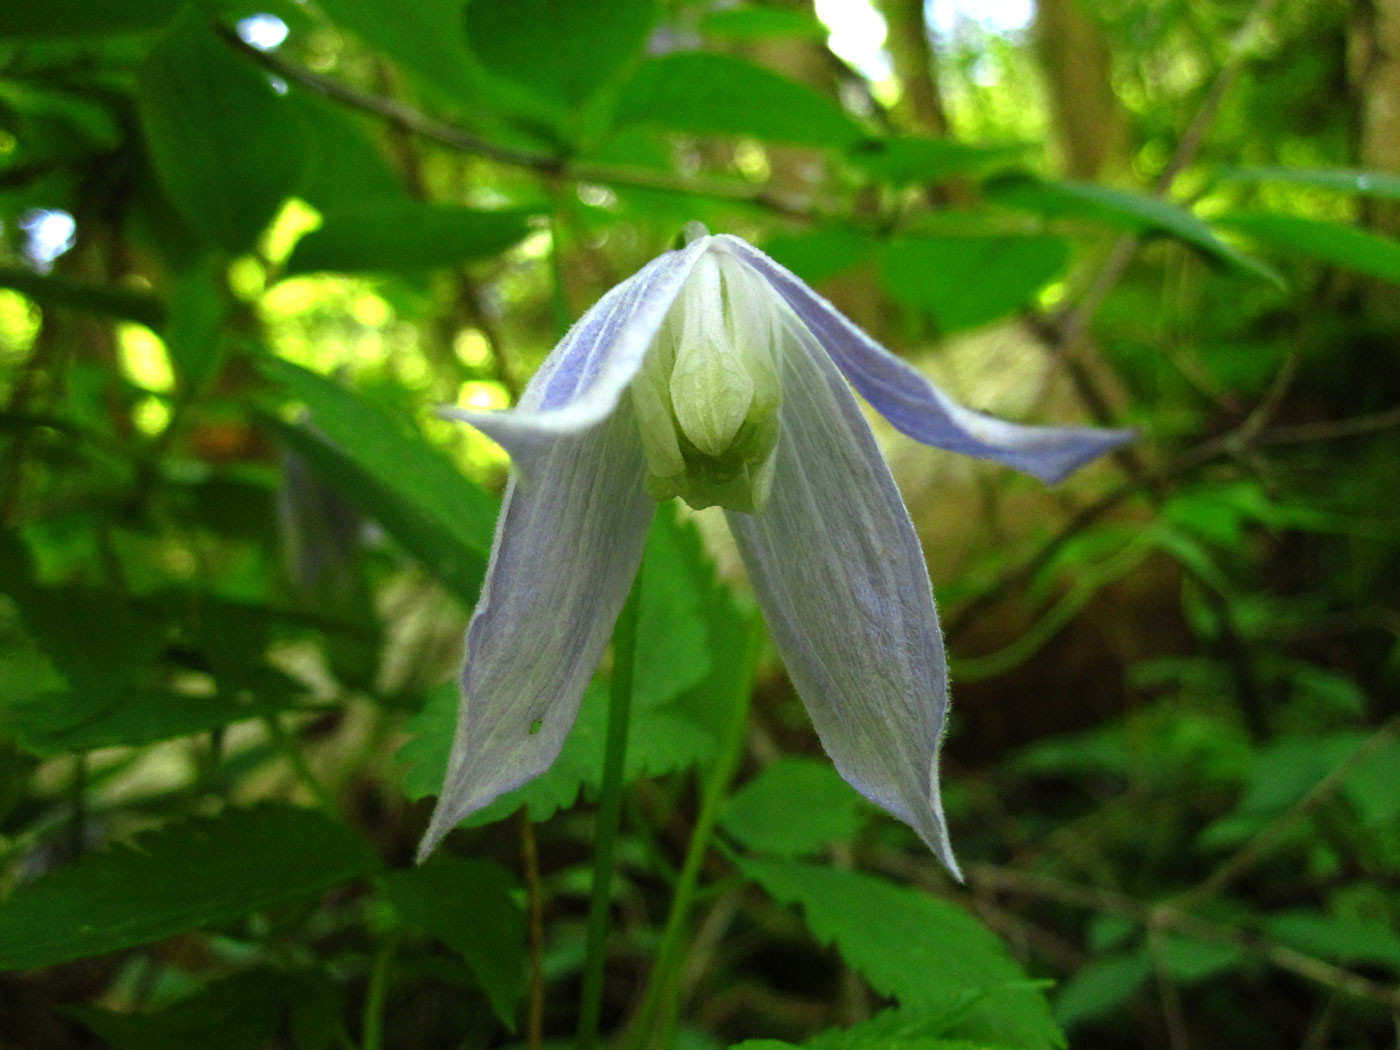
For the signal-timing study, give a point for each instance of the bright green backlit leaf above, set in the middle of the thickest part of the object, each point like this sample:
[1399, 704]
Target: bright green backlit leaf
[1361, 183]
[1328, 242]
[1135, 212]
[762, 22]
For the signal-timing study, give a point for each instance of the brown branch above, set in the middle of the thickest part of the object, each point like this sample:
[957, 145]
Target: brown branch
[396, 114]
[1168, 918]
[1246, 437]
[1071, 325]
[534, 913]
[1259, 844]
[409, 120]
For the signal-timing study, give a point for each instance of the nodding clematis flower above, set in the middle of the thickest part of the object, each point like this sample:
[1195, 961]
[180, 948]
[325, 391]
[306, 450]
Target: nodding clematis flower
[715, 375]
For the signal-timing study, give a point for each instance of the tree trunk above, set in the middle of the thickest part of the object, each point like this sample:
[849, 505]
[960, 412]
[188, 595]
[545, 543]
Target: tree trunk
[1091, 131]
[1375, 71]
[921, 106]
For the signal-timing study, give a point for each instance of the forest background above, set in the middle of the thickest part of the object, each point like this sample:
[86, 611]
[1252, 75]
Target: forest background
[248, 247]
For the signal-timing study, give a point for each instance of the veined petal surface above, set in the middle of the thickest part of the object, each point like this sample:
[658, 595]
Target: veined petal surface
[841, 579]
[581, 381]
[917, 407]
[568, 543]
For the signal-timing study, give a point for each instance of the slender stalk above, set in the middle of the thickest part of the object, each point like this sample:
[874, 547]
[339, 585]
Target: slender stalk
[656, 1019]
[377, 995]
[609, 811]
[291, 751]
[77, 818]
[534, 910]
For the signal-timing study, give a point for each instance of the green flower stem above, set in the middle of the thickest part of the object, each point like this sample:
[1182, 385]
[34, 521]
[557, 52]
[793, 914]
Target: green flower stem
[609, 810]
[656, 1019]
[377, 994]
[291, 751]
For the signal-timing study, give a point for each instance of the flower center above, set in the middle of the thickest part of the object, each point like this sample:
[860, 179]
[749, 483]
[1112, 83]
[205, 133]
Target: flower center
[707, 395]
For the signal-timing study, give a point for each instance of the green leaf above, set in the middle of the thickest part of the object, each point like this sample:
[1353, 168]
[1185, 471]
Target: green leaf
[684, 619]
[794, 807]
[470, 906]
[1188, 960]
[711, 94]
[60, 723]
[917, 159]
[1135, 212]
[1102, 986]
[427, 38]
[227, 148]
[920, 950]
[193, 334]
[379, 461]
[457, 567]
[51, 290]
[1373, 787]
[1336, 938]
[185, 875]
[818, 254]
[1283, 771]
[68, 18]
[558, 52]
[968, 281]
[889, 1030]
[1362, 183]
[95, 637]
[673, 650]
[762, 22]
[348, 167]
[1329, 242]
[661, 740]
[898, 1029]
[242, 1012]
[387, 236]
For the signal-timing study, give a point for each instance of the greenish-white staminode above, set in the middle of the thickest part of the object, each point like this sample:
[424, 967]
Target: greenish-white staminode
[708, 393]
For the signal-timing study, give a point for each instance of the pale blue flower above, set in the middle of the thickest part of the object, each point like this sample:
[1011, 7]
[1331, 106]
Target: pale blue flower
[716, 375]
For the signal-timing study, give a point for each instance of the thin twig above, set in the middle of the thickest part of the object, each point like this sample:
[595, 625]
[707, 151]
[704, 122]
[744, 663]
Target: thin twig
[1259, 844]
[398, 115]
[1167, 917]
[1071, 325]
[407, 119]
[534, 913]
[1235, 443]
[1332, 430]
[1178, 1035]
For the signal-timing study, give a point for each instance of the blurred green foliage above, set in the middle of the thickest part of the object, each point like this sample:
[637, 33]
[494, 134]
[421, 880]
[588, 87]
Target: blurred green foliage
[248, 248]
